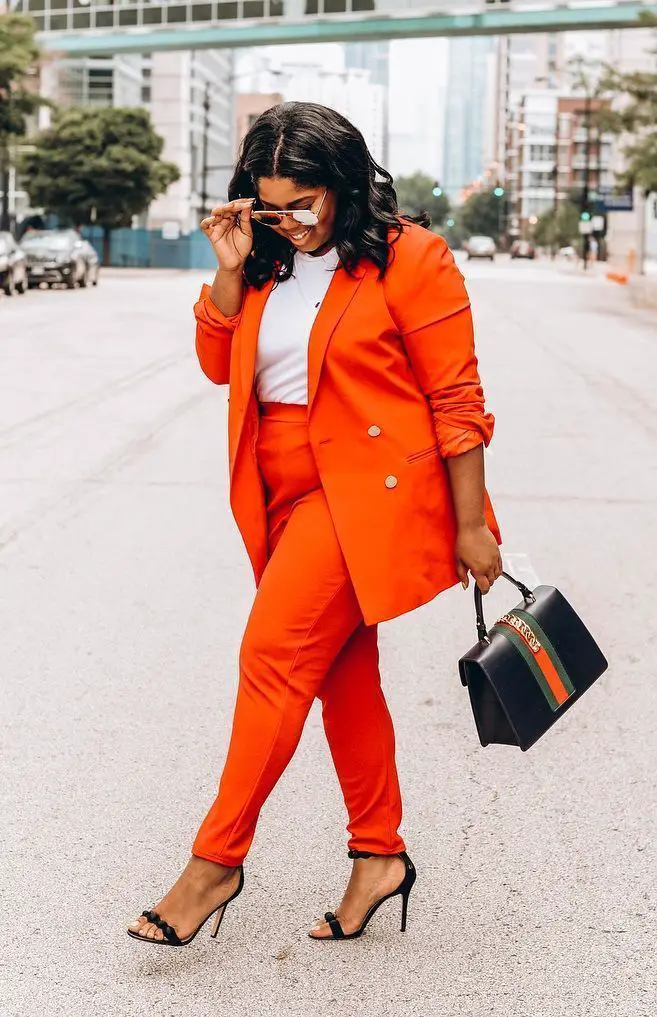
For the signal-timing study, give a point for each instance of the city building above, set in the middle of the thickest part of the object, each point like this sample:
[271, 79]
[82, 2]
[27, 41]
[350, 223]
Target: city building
[465, 113]
[416, 110]
[349, 91]
[190, 97]
[518, 64]
[375, 58]
[296, 73]
[248, 107]
[553, 151]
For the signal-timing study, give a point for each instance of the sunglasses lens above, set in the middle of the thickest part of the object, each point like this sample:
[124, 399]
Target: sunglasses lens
[305, 217]
[269, 218]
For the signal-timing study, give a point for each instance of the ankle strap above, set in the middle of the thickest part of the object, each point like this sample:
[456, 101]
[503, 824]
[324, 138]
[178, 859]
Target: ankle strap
[360, 854]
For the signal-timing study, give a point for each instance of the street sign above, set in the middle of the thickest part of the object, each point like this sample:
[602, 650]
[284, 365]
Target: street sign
[598, 223]
[612, 202]
[585, 227]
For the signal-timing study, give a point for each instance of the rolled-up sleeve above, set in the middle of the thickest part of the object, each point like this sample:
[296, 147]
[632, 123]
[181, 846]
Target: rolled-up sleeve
[431, 307]
[214, 333]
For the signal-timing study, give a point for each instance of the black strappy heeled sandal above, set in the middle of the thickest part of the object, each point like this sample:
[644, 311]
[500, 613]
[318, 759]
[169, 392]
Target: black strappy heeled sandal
[171, 937]
[403, 891]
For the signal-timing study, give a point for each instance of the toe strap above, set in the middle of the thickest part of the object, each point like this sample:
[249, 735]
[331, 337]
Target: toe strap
[334, 925]
[168, 931]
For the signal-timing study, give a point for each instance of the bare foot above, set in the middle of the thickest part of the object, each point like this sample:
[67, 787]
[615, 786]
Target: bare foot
[371, 879]
[201, 887]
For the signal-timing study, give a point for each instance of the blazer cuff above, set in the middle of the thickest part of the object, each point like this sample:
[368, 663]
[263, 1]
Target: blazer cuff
[207, 311]
[454, 440]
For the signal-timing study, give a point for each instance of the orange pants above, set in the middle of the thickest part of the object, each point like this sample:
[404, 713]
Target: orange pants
[305, 637]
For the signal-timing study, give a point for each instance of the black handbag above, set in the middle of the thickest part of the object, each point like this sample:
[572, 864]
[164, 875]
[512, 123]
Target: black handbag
[532, 665]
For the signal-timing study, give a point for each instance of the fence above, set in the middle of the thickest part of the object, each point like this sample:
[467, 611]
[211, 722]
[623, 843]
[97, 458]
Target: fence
[142, 248]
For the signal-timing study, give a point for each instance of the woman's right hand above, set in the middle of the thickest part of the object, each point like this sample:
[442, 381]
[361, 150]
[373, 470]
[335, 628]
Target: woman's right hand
[230, 232]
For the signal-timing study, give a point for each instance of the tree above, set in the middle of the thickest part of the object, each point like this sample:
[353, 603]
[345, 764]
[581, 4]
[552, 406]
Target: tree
[482, 214]
[98, 165]
[559, 231]
[636, 117]
[19, 55]
[415, 195]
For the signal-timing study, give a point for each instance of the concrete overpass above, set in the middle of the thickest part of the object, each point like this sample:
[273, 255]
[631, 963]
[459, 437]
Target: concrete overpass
[92, 27]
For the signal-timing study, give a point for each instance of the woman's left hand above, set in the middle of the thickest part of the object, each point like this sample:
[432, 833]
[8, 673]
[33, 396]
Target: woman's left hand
[477, 552]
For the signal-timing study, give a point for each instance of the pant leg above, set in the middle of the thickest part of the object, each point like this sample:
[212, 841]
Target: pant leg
[304, 612]
[361, 738]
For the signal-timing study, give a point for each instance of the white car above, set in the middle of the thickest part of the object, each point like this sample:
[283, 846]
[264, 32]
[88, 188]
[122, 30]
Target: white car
[481, 247]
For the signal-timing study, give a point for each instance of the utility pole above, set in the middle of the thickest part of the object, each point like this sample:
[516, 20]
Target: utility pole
[5, 178]
[204, 150]
[555, 204]
[587, 167]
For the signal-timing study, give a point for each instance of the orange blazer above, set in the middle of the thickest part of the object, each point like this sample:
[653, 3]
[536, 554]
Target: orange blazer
[393, 390]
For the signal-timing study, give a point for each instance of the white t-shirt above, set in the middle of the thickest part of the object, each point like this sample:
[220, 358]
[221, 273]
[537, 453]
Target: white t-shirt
[281, 373]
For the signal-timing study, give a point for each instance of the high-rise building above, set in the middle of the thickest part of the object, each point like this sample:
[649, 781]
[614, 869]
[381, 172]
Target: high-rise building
[349, 91]
[465, 113]
[418, 82]
[375, 58]
[248, 107]
[190, 97]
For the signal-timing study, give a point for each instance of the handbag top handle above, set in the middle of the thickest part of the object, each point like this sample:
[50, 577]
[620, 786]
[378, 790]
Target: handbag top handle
[482, 631]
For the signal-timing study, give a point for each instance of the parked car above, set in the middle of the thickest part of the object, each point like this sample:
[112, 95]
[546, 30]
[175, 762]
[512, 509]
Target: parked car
[13, 266]
[568, 252]
[481, 247]
[522, 249]
[60, 256]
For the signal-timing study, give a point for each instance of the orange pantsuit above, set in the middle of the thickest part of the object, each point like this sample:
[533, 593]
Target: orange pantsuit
[305, 638]
[346, 513]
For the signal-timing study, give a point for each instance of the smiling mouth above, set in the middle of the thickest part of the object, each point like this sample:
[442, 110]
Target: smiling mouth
[300, 236]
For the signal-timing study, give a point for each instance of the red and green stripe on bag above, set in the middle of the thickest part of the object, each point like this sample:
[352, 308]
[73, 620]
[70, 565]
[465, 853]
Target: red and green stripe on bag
[528, 638]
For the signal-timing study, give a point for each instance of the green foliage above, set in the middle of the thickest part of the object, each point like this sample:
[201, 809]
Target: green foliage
[19, 55]
[481, 214]
[414, 195]
[560, 231]
[107, 160]
[636, 116]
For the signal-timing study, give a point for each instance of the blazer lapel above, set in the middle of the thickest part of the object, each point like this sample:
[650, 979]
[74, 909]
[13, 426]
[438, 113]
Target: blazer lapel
[339, 295]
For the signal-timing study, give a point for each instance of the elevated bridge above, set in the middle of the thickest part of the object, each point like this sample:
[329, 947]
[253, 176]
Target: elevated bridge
[89, 27]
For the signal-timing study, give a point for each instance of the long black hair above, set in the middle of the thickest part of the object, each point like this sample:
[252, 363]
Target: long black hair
[317, 147]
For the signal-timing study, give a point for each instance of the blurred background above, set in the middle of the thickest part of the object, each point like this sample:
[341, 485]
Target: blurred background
[526, 123]
[528, 130]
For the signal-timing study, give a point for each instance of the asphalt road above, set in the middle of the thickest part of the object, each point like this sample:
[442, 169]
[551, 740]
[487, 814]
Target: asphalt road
[124, 590]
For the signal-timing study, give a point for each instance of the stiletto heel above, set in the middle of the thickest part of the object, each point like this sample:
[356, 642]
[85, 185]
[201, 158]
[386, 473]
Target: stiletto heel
[403, 891]
[404, 910]
[171, 937]
[217, 921]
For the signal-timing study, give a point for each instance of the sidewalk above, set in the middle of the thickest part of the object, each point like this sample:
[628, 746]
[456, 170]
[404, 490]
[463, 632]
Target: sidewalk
[641, 289]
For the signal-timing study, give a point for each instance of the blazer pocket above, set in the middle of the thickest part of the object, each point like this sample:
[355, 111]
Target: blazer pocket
[426, 453]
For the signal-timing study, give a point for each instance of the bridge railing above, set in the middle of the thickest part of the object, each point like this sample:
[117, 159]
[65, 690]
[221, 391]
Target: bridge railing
[79, 15]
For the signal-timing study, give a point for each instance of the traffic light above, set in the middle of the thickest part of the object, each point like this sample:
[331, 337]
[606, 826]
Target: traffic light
[585, 216]
[450, 223]
[437, 189]
[498, 191]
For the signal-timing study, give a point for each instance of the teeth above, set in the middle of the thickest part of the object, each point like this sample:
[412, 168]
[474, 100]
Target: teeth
[300, 236]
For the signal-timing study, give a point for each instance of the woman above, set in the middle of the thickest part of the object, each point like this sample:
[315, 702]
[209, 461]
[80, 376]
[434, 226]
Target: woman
[356, 435]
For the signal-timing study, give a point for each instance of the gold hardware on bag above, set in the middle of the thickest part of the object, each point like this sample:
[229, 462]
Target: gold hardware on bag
[523, 629]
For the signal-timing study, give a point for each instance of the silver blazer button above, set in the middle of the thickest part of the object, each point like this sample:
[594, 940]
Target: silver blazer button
[374, 431]
[391, 481]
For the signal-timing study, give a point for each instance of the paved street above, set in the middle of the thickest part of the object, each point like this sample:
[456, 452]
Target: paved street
[124, 590]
